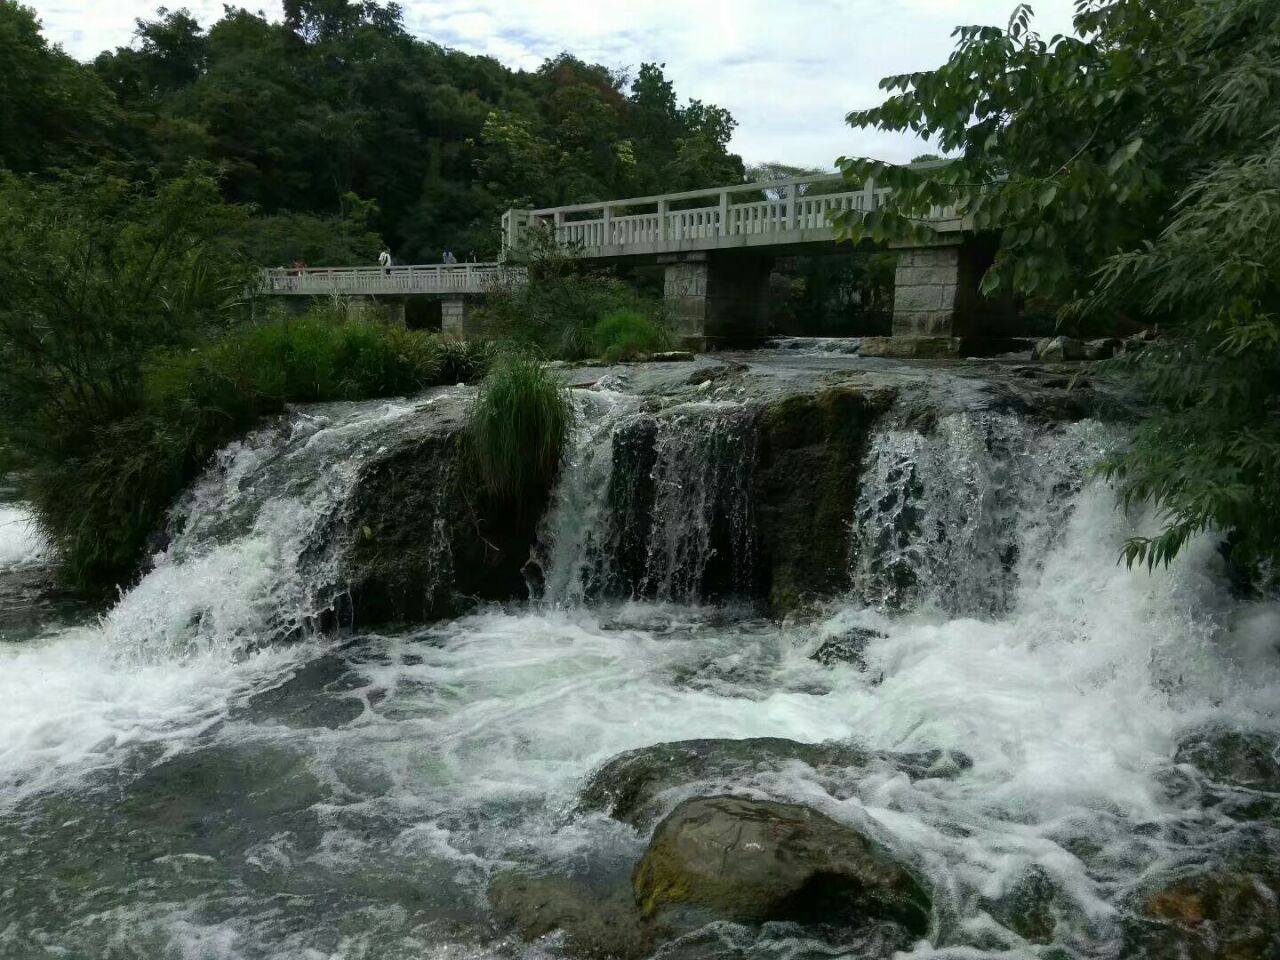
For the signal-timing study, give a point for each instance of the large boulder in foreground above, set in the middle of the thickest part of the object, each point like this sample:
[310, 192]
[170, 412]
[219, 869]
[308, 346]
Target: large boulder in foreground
[631, 786]
[754, 861]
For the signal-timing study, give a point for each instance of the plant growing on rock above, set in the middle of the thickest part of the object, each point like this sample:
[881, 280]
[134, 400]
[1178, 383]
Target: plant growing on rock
[567, 310]
[517, 431]
[626, 334]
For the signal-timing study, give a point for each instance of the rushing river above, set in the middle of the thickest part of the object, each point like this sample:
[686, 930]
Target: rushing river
[198, 776]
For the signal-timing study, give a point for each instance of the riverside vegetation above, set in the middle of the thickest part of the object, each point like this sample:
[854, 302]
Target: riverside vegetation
[459, 644]
[1129, 172]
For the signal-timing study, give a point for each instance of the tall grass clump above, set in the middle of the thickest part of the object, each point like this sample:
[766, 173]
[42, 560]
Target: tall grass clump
[517, 431]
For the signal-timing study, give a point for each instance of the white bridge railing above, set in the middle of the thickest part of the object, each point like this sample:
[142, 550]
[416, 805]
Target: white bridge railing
[797, 210]
[440, 278]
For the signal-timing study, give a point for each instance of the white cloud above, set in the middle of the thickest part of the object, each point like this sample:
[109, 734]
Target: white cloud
[789, 72]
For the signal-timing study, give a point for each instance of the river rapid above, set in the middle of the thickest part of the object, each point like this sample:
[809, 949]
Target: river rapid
[199, 774]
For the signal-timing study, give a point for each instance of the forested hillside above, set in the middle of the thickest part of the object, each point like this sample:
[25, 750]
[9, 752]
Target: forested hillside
[340, 128]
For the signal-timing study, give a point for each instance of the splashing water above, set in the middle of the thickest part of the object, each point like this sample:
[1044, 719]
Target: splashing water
[20, 541]
[239, 576]
[206, 791]
[954, 519]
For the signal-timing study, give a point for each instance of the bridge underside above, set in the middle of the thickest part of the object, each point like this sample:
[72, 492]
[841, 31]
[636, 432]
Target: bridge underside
[720, 297]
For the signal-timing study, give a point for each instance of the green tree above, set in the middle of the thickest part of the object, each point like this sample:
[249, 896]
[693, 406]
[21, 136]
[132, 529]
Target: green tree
[53, 111]
[1130, 170]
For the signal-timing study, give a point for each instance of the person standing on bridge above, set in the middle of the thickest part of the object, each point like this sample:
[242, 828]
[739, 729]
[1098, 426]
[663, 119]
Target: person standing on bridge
[384, 260]
[449, 258]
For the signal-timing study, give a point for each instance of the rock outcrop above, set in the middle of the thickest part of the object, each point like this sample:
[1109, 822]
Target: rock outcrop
[808, 459]
[1058, 349]
[1235, 771]
[847, 647]
[754, 861]
[421, 541]
[597, 920]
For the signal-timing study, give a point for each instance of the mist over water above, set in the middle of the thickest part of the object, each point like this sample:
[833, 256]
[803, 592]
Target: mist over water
[203, 775]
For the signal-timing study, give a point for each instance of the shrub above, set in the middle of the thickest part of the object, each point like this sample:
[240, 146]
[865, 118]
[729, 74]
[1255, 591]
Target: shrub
[557, 311]
[625, 334]
[517, 431]
[100, 495]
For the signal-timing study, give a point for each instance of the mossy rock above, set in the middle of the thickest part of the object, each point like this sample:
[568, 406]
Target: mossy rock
[596, 921]
[755, 861]
[808, 459]
[423, 542]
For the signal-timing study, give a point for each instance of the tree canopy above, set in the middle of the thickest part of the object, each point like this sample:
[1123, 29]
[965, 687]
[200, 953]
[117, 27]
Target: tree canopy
[335, 113]
[335, 120]
[1130, 170]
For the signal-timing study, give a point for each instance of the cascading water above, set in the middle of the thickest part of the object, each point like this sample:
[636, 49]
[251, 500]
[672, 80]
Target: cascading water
[240, 575]
[956, 518]
[180, 782]
[652, 505]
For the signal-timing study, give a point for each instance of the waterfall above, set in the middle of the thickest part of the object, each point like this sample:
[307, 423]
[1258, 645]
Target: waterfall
[955, 518]
[249, 559]
[574, 550]
[203, 773]
[700, 532]
[251, 563]
[654, 505]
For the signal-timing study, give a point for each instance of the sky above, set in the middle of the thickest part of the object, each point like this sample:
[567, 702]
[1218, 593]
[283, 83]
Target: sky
[788, 70]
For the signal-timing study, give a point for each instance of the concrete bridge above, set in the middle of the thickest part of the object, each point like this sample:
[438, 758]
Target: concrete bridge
[452, 284]
[716, 248]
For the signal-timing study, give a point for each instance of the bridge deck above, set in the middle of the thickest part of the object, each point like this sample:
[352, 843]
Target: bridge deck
[777, 213]
[433, 278]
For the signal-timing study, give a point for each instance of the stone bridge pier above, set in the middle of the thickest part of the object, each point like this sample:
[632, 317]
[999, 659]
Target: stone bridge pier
[717, 300]
[936, 291]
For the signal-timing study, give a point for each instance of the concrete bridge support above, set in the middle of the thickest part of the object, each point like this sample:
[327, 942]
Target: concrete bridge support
[936, 292]
[454, 316]
[717, 300]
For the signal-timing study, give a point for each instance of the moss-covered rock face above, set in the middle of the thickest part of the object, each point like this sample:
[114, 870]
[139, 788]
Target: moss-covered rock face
[639, 786]
[754, 861]
[1228, 913]
[423, 541]
[808, 459]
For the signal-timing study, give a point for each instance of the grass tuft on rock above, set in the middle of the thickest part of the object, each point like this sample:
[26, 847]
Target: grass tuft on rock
[626, 334]
[517, 431]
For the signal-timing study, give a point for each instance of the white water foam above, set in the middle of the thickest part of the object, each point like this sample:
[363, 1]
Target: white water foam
[470, 740]
[198, 630]
[20, 540]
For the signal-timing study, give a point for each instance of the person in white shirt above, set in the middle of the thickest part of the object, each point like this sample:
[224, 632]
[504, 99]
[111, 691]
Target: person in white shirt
[384, 260]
